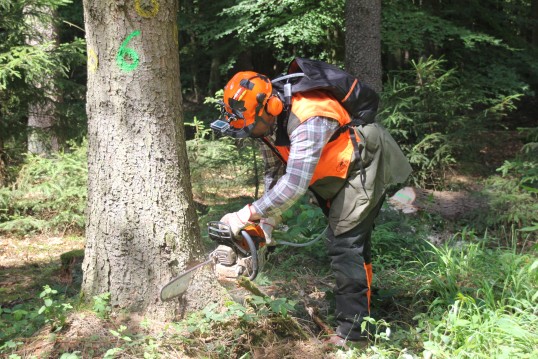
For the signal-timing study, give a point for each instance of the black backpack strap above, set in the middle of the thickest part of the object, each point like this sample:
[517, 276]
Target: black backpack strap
[285, 94]
[358, 158]
[273, 149]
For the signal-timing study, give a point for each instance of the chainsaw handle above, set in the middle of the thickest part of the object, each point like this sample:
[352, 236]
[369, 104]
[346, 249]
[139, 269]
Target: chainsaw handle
[253, 254]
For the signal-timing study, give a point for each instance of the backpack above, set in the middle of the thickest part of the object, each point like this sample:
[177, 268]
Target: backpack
[359, 100]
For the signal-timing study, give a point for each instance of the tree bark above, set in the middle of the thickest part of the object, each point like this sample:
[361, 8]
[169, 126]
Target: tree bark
[363, 41]
[141, 221]
[214, 77]
[42, 139]
[3, 174]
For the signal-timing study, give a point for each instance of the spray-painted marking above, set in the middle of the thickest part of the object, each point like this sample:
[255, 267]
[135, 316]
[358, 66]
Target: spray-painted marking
[176, 34]
[147, 13]
[124, 52]
[93, 61]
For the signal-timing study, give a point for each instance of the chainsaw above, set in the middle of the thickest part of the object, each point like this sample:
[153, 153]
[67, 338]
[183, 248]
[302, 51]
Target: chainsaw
[233, 257]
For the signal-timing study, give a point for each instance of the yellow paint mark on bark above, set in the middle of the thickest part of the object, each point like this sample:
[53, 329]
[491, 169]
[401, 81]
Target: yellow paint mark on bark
[145, 11]
[93, 61]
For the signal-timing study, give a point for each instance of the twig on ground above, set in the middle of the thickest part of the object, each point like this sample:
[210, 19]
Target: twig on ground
[252, 288]
[319, 322]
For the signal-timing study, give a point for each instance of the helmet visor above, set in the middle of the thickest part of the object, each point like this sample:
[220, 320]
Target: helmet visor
[230, 123]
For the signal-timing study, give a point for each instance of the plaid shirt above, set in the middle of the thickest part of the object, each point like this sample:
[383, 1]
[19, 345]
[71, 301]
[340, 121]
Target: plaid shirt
[285, 184]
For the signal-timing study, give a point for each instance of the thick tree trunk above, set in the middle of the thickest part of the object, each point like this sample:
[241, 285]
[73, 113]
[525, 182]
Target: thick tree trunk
[42, 139]
[363, 41]
[141, 226]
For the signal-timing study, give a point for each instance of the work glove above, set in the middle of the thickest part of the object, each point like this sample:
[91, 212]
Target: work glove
[238, 220]
[267, 225]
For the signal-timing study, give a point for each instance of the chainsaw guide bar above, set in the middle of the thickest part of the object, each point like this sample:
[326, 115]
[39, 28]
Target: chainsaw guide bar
[233, 257]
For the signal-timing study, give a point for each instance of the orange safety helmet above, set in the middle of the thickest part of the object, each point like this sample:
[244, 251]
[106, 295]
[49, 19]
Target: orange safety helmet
[246, 95]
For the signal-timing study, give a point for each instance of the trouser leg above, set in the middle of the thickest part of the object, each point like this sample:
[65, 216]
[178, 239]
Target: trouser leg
[351, 262]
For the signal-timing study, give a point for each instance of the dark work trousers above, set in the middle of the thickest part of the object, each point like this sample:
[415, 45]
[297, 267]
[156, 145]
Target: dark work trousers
[351, 262]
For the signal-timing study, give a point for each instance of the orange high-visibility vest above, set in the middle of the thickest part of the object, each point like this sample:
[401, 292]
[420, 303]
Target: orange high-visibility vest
[337, 155]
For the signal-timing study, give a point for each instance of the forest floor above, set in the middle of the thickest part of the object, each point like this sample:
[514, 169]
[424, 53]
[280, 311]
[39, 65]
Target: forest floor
[30, 262]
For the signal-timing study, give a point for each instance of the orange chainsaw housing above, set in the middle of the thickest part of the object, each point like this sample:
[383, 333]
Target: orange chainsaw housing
[255, 231]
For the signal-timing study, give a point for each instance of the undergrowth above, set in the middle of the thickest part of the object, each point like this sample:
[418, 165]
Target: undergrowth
[49, 194]
[435, 118]
[473, 296]
[513, 194]
[222, 166]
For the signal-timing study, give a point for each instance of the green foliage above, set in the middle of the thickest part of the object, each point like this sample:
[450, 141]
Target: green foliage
[54, 312]
[466, 266]
[50, 193]
[16, 322]
[422, 108]
[292, 28]
[216, 165]
[482, 299]
[524, 168]
[23, 66]
[23, 320]
[482, 45]
[101, 305]
[472, 297]
[468, 329]
[510, 204]
[434, 119]
[305, 221]
[258, 307]
[513, 195]
[271, 306]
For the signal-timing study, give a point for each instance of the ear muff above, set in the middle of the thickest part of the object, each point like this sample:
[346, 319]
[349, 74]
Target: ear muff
[274, 106]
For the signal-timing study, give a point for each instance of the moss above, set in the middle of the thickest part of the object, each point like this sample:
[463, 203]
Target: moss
[69, 258]
[170, 240]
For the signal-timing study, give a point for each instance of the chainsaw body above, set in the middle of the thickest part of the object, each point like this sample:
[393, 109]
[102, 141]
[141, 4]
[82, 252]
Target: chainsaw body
[236, 256]
[233, 257]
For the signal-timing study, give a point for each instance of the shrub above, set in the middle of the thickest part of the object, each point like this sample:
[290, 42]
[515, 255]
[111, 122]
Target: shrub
[222, 165]
[432, 115]
[49, 194]
[513, 194]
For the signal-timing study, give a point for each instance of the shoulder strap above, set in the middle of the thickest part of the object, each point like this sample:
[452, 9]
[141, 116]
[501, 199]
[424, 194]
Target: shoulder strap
[283, 86]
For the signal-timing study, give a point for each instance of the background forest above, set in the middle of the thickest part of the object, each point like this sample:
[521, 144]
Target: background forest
[460, 82]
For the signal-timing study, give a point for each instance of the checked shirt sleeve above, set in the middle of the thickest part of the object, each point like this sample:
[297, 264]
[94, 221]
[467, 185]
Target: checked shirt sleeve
[274, 168]
[307, 143]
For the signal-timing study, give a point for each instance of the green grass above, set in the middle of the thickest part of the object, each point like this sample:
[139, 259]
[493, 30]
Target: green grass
[472, 294]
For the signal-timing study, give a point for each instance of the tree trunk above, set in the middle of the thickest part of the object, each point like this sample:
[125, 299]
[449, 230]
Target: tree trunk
[141, 226]
[214, 77]
[42, 139]
[534, 19]
[3, 174]
[363, 41]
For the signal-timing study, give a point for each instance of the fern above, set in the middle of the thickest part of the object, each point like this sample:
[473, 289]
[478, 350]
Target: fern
[50, 193]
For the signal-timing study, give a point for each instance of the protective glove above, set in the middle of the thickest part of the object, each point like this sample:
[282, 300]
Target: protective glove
[267, 225]
[238, 220]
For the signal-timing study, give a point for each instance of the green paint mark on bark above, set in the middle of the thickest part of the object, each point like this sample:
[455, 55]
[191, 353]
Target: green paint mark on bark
[124, 52]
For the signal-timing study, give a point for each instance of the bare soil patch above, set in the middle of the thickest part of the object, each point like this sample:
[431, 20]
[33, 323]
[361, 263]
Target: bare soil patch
[29, 263]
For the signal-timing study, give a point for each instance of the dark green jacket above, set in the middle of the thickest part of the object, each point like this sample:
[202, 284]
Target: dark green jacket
[384, 164]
